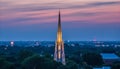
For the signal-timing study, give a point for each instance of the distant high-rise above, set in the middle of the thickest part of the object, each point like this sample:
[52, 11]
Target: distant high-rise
[59, 54]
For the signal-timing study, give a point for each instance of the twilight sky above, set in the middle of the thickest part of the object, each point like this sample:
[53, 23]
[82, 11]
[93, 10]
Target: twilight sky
[82, 20]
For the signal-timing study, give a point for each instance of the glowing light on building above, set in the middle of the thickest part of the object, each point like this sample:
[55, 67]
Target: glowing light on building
[12, 43]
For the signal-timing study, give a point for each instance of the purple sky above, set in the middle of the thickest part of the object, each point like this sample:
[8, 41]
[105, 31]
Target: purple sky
[81, 20]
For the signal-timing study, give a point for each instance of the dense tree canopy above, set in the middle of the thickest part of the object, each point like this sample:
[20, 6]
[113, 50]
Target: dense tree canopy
[5, 64]
[40, 57]
[116, 65]
[93, 59]
[38, 62]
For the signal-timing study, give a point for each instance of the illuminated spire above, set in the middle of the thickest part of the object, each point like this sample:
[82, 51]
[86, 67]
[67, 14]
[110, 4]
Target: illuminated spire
[59, 55]
[59, 33]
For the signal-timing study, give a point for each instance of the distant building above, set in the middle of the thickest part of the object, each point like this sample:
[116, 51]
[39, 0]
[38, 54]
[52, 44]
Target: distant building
[110, 58]
[36, 43]
[104, 67]
[11, 43]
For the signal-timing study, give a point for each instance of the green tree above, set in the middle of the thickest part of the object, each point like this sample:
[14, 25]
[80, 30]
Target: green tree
[71, 65]
[116, 65]
[5, 64]
[37, 62]
[24, 54]
[93, 59]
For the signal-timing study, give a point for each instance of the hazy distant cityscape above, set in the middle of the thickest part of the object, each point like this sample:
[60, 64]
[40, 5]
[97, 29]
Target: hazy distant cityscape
[70, 43]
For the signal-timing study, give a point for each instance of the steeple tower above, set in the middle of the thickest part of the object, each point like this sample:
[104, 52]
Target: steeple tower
[59, 33]
[59, 55]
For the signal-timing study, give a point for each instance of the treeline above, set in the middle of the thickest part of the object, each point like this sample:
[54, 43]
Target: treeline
[40, 57]
[29, 60]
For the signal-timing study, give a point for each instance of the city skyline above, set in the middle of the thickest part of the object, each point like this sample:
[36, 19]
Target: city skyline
[81, 20]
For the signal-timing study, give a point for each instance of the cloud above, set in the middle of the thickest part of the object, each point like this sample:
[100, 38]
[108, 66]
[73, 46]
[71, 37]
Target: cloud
[85, 14]
[17, 15]
[94, 4]
[103, 3]
[55, 6]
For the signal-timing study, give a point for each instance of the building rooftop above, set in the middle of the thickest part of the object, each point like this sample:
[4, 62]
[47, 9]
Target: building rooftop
[104, 67]
[109, 56]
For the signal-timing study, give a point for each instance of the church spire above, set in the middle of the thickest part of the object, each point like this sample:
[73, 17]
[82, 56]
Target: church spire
[59, 55]
[59, 33]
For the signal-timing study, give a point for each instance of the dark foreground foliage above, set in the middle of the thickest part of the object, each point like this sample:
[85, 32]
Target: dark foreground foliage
[41, 57]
